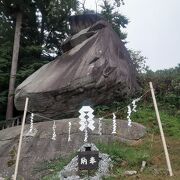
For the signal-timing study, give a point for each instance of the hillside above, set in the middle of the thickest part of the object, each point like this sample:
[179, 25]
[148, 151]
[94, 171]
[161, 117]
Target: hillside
[129, 157]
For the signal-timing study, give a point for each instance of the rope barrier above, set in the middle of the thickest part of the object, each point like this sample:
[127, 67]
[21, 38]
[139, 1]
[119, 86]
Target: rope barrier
[43, 116]
[118, 110]
[107, 115]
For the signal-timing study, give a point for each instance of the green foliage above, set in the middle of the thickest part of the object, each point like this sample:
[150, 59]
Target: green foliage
[52, 167]
[146, 116]
[121, 152]
[11, 7]
[44, 27]
[167, 86]
[117, 20]
[139, 61]
[12, 155]
[5, 62]
[55, 21]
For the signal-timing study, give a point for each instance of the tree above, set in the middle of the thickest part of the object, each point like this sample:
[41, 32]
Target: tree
[44, 27]
[5, 60]
[139, 61]
[9, 112]
[117, 20]
[167, 85]
[110, 13]
[55, 27]
[13, 12]
[12, 9]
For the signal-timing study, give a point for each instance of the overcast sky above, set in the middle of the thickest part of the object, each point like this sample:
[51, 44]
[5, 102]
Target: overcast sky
[154, 29]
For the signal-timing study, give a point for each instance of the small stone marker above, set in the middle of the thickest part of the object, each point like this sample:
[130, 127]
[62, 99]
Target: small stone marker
[143, 166]
[130, 173]
[89, 158]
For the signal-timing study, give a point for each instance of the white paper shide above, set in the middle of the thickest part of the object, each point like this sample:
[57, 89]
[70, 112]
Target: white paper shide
[86, 120]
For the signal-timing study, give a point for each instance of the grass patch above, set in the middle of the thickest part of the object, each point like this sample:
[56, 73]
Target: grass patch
[146, 116]
[123, 155]
[12, 155]
[51, 177]
[49, 169]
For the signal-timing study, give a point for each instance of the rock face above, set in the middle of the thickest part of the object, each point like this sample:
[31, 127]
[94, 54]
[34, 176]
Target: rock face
[94, 69]
[40, 147]
[79, 22]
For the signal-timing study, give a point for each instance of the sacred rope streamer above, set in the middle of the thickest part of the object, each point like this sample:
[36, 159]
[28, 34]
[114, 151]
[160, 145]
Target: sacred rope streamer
[128, 116]
[134, 103]
[100, 126]
[31, 123]
[86, 120]
[114, 124]
[54, 131]
[85, 132]
[69, 137]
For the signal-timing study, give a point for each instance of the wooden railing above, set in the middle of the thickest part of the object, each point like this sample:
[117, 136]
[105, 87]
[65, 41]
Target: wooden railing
[16, 121]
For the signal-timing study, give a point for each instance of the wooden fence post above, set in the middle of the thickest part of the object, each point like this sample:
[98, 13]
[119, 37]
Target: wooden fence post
[20, 139]
[161, 131]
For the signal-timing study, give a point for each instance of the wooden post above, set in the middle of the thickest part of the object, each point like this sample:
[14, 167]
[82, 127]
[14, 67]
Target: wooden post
[20, 139]
[161, 131]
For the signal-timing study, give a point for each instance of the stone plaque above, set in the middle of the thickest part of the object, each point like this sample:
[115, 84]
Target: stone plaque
[88, 160]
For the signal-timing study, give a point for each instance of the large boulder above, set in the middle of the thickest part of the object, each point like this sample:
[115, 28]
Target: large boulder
[38, 148]
[94, 69]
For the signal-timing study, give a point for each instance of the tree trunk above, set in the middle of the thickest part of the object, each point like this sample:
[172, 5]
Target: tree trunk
[42, 28]
[10, 104]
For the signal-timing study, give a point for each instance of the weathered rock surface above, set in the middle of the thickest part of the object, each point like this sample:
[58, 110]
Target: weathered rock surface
[40, 147]
[94, 69]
